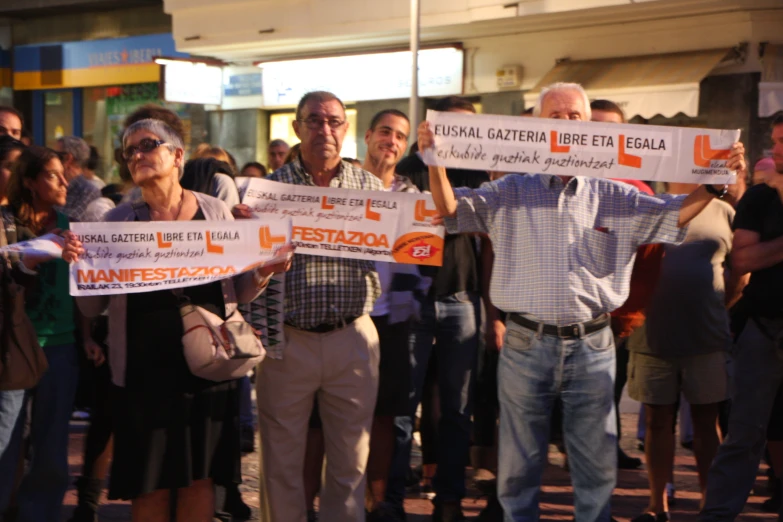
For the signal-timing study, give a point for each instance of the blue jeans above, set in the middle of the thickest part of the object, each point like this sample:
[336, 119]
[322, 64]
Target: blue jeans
[758, 372]
[453, 323]
[43, 487]
[11, 428]
[533, 371]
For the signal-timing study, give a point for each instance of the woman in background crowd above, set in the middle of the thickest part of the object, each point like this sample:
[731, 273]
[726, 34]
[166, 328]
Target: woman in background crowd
[35, 188]
[10, 150]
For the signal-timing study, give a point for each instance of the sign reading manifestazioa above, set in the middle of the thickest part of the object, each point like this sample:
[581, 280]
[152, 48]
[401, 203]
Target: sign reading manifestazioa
[576, 148]
[355, 224]
[130, 257]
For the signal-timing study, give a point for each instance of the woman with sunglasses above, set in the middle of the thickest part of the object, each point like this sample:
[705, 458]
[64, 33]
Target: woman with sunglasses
[37, 186]
[173, 431]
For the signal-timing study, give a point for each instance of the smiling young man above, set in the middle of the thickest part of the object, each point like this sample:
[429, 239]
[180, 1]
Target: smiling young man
[387, 141]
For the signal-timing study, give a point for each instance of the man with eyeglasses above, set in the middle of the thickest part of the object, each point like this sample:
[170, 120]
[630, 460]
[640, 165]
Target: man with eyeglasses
[331, 348]
[11, 122]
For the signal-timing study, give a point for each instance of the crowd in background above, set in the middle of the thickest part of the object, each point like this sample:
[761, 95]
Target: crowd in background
[518, 340]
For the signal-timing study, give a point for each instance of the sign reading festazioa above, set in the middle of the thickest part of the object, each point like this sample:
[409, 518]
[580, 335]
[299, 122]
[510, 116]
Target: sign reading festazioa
[574, 148]
[353, 224]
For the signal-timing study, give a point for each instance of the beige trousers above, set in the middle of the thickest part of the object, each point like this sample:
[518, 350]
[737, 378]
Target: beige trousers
[341, 367]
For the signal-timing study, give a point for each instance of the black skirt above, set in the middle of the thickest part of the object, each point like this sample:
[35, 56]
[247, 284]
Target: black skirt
[171, 428]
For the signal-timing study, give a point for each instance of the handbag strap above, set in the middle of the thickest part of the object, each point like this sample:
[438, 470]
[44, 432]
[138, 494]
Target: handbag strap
[142, 210]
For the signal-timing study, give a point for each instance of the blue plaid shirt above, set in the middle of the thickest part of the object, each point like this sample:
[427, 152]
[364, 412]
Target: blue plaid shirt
[564, 253]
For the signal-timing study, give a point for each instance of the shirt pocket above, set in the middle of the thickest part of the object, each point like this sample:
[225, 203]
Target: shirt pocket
[597, 252]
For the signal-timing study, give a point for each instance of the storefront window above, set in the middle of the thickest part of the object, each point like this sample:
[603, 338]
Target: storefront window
[105, 110]
[281, 128]
[58, 115]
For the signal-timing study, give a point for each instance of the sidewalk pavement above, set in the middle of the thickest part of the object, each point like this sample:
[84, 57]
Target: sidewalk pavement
[630, 497]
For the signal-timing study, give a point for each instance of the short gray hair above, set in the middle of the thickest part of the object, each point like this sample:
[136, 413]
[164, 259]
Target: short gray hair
[317, 96]
[278, 143]
[561, 87]
[159, 129]
[77, 148]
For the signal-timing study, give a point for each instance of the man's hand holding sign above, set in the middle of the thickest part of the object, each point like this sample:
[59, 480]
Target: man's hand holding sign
[565, 242]
[733, 160]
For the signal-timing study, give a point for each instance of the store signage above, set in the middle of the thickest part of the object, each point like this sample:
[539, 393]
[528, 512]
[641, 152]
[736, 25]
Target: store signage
[242, 88]
[189, 82]
[115, 61]
[243, 85]
[379, 76]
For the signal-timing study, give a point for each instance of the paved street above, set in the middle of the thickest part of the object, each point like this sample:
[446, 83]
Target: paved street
[557, 497]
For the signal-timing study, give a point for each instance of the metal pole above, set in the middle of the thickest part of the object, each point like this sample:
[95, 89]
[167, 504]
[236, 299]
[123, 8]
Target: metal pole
[413, 109]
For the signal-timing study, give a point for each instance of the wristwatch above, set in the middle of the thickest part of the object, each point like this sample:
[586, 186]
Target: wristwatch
[720, 194]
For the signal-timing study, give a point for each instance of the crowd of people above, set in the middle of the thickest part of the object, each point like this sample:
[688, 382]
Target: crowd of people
[554, 293]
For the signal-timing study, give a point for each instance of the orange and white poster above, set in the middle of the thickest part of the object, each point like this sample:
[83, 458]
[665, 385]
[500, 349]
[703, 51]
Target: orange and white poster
[354, 224]
[124, 258]
[580, 148]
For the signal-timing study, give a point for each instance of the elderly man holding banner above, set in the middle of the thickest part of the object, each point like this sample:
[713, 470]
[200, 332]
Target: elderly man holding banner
[576, 238]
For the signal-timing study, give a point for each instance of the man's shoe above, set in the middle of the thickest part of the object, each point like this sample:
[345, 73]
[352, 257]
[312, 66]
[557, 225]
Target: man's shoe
[448, 511]
[236, 506]
[625, 461]
[89, 499]
[493, 512]
[385, 512]
[649, 517]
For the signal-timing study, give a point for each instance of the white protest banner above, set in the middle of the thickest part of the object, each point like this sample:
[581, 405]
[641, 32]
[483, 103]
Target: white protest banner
[354, 224]
[123, 258]
[47, 245]
[580, 148]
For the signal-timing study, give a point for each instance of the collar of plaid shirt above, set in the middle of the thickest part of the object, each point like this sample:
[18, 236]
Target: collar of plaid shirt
[328, 290]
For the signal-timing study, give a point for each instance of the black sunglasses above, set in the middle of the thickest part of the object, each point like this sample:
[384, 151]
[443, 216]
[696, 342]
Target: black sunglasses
[145, 145]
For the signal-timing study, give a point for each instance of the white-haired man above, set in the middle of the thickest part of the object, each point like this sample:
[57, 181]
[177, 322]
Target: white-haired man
[564, 249]
[75, 154]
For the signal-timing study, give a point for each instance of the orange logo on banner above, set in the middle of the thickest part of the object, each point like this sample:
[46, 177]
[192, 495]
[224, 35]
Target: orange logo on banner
[325, 205]
[213, 249]
[421, 248]
[704, 154]
[421, 212]
[629, 160]
[267, 240]
[554, 147]
[161, 243]
[371, 214]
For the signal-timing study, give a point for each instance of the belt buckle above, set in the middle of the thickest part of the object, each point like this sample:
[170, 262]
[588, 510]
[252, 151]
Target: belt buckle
[570, 331]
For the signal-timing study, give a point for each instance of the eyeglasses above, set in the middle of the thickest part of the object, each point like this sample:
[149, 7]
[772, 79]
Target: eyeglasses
[145, 145]
[314, 123]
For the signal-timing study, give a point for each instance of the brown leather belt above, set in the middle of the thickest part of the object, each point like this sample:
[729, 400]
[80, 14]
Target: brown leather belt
[569, 331]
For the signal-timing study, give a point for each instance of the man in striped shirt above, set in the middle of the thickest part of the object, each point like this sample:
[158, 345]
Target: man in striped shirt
[564, 250]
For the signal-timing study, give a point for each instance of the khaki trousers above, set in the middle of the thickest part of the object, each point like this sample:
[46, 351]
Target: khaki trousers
[341, 367]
